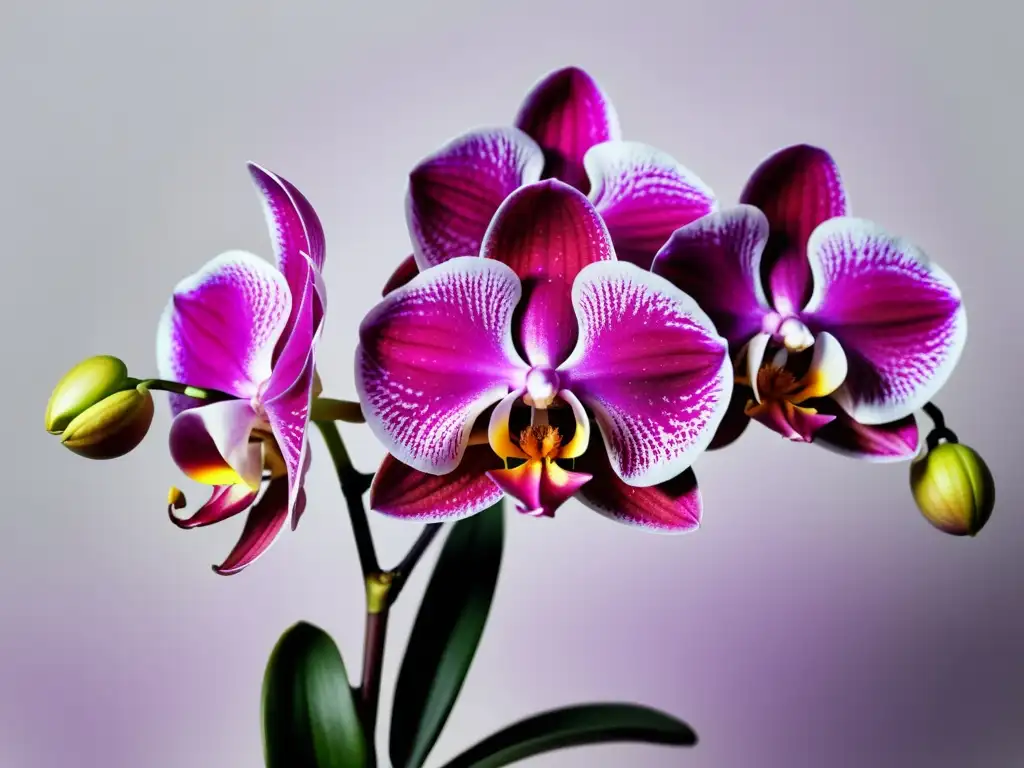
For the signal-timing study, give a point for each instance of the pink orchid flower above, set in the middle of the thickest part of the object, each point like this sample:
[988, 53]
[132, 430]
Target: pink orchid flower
[549, 328]
[566, 129]
[249, 329]
[840, 330]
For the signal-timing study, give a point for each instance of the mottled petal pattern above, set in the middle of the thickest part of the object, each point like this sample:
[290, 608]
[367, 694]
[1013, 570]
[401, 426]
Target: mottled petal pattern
[262, 527]
[717, 261]
[434, 355]
[547, 232]
[797, 188]
[225, 501]
[651, 367]
[405, 272]
[454, 193]
[567, 113]
[221, 325]
[673, 506]
[398, 490]
[898, 440]
[643, 195]
[210, 444]
[898, 316]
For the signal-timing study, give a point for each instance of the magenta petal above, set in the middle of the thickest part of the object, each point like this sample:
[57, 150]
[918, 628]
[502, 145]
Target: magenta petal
[643, 195]
[262, 527]
[651, 366]
[673, 506]
[792, 422]
[454, 193]
[398, 490]
[898, 316]
[898, 440]
[433, 355]
[288, 414]
[219, 329]
[210, 444]
[295, 228]
[567, 113]
[225, 501]
[538, 488]
[547, 232]
[405, 272]
[294, 356]
[797, 188]
[716, 260]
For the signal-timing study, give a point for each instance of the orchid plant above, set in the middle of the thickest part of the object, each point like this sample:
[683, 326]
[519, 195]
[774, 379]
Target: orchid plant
[579, 318]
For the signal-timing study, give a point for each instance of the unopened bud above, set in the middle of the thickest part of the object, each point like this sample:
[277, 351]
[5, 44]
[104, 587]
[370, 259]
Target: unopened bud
[953, 488]
[112, 427]
[82, 387]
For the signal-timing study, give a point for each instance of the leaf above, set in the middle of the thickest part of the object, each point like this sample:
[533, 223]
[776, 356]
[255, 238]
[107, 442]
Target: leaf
[310, 718]
[576, 726]
[445, 635]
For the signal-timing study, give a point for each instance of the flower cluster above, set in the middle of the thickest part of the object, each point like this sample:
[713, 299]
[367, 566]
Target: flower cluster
[581, 317]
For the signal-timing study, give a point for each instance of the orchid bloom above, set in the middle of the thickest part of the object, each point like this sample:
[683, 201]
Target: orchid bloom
[248, 329]
[840, 331]
[548, 327]
[566, 129]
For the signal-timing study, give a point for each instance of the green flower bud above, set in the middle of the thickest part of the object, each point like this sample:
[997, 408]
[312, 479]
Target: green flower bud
[82, 387]
[953, 489]
[112, 427]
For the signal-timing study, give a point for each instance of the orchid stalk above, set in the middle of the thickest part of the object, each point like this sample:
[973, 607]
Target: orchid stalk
[580, 318]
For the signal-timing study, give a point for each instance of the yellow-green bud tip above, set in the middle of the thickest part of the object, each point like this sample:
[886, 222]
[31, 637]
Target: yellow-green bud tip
[954, 489]
[82, 387]
[112, 427]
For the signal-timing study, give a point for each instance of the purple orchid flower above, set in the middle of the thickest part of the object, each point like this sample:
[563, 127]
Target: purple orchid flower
[840, 331]
[566, 129]
[249, 329]
[543, 325]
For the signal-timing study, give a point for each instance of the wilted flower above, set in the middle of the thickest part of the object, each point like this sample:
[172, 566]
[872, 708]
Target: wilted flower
[566, 129]
[545, 320]
[953, 488]
[248, 329]
[840, 331]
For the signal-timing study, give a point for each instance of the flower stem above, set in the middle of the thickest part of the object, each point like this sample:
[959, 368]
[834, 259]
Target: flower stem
[330, 409]
[199, 393]
[941, 431]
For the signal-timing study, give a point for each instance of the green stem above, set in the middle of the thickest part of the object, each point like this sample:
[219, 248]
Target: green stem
[199, 393]
[330, 409]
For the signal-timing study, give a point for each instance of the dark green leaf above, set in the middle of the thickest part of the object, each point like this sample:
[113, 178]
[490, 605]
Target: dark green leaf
[309, 714]
[445, 635]
[575, 727]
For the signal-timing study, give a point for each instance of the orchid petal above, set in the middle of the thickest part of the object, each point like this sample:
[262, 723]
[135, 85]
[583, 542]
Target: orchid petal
[753, 356]
[898, 316]
[210, 444]
[717, 261]
[454, 193]
[405, 272]
[826, 372]
[567, 113]
[262, 528]
[288, 414]
[673, 506]
[580, 441]
[643, 195]
[652, 368]
[433, 355]
[797, 188]
[499, 436]
[295, 355]
[547, 232]
[898, 440]
[538, 487]
[398, 490]
[793, 422]
[225, 501]
[220, 327]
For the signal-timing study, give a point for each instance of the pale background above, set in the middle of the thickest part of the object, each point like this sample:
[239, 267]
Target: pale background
[815, 621]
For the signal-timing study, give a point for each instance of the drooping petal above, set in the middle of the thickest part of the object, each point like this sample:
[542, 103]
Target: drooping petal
[797, 188]
[567, 113]
[225, 501]
[898, 316]
[221, 325]
[547, 232]
[717, 261]
[405, 272]
[454, 193]
[643, 195]
[651, 367]
[538, 487]
[735, 421]
[398, 490]
[210, 444]
[898, 440]
[673, 506]
[433, 355]
[288, 414]
[262, 527]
